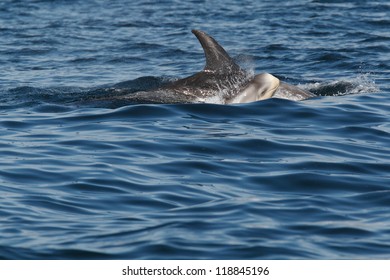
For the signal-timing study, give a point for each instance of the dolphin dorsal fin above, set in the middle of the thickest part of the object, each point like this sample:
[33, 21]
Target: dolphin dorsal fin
[217, 59]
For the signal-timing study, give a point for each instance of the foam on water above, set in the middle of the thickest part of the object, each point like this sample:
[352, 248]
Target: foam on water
[362, 83]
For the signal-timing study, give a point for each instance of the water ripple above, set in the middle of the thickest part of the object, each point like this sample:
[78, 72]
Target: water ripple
[86, 177]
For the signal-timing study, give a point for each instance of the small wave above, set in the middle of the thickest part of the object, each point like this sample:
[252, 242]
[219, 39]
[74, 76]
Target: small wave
[103, 96]
[30, 96]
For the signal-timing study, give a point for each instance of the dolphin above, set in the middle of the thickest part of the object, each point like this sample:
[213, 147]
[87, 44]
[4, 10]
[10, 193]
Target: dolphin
[221, 81]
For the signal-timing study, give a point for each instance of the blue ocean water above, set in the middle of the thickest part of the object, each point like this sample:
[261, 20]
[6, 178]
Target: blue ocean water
[275, 179]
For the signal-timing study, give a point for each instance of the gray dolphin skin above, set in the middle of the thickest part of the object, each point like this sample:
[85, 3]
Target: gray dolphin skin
[222, 81]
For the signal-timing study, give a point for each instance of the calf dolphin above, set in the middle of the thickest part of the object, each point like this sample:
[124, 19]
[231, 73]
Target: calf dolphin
[221, 81]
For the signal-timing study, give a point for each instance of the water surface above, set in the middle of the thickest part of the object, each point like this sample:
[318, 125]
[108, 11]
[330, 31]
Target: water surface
[275, 179]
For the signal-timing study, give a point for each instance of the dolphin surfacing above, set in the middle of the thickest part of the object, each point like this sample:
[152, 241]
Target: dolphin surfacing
[221, 81]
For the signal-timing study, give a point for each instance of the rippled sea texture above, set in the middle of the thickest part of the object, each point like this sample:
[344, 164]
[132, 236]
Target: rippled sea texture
[275, 179]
